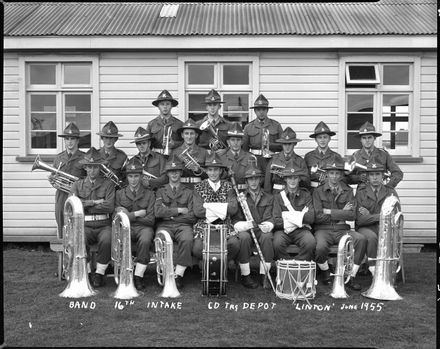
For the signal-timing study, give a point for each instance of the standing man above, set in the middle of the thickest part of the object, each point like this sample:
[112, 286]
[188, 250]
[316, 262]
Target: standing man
[138, 203]
[153, 164]
[97, 195]
[368, 135]
[214, 127]
[67, 161]
[164, 127]
[369, 199]
[174, 210]
[334, 205]
[273, 181]
[262, 133]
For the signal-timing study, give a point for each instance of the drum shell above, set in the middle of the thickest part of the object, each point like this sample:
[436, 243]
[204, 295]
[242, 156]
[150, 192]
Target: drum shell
[296, 280]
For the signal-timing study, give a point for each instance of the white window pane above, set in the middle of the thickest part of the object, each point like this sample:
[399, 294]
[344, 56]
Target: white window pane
[77, 102]
[42, 74]
[78, 74]
[235, 74]
[200, 74]
[396, 75]
[360, 103]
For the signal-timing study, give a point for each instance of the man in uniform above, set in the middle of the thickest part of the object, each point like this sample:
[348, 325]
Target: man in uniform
[262, 131]
[68, 162]
[368, 134]
[273, 182]
[138, 203]
[115, 158]
[369, 199]
[334, 205]
[174, 210]
[97, 195]
[293, 214]
[217, 123]
[165, 125]
[153, 164]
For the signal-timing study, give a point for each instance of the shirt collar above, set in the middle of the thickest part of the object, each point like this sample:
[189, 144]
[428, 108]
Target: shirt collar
[213, 185]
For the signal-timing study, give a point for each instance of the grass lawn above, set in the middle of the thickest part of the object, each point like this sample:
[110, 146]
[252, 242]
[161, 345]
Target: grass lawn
[34, 315]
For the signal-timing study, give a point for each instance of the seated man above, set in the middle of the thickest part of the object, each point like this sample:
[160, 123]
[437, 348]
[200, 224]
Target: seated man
[138, 203]
[334, 205]
[260, 206]
[369, 201]
[174, 210]
[97, 195]
[293, 213]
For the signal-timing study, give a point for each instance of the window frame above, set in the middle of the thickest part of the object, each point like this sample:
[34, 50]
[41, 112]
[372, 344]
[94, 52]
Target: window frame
[59, 89]
[363, 82]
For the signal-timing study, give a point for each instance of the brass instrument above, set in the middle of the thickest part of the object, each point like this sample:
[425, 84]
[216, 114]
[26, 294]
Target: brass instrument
[164, 264]
[277, 169]
[61, 180]
[344, 266]
[109, 174]
[191, 163]
[389, 258]
[167, 132]
[148, 175]
[351, 166]
[74, 251]
[265, 143]
[122, 258]
[215, 143]
[322, 173]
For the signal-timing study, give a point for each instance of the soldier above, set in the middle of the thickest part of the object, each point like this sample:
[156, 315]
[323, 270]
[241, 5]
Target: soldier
[334, 205]
[293, 214]
[320, 156]
[174, 210]
[262, 131]
[274, 182]
[369, 199]
[138, 203]
[115, 158]
[165, 125]
[260, 205]
[97, 195]
[213, 122]
[153, 164]
[190, 132]
[67, 161]
[368, 134]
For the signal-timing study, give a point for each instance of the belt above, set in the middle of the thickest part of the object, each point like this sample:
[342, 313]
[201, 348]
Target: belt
[190, 180]
[278, 186]
[256, 151]
[242, 186]
[158, 150]
[96, 217]
[314, 184]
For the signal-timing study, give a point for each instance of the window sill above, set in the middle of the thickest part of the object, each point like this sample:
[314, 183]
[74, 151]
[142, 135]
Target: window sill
[31, 158]
[400, 159]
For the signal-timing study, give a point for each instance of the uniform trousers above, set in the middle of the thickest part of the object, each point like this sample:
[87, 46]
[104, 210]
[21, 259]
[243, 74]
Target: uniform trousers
[265, 240]
[183, 234]
[99, 232]
[302, 237]
[60, 200]
[371, 234]
[143, 236]
[326, 238]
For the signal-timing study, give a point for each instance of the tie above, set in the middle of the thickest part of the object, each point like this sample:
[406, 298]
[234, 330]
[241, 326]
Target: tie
[236, 155]
[174, 190]
[107, 155]
[134, 193]
[69, 155]
[375, 193]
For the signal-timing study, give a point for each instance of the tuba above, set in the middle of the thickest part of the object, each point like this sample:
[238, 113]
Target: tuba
[74, 251]
[389, 252]
[265, 143]
[344, 266]
[164, 264]
[121, 257]
[215, 143]
[62, 180]
[167, 132]
[109, 174]
[191, 163]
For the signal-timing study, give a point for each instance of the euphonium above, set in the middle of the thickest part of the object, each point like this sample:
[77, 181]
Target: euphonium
[191, 163]
[344, 266]
[389, 251]
[75, 255]
[215, 143]
[109, 174]
[265, 143]
[167, 132]
[122, 259]
[61, 181]
[164, 264]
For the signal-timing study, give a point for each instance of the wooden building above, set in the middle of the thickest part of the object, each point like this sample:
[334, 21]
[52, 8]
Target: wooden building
[342, 63]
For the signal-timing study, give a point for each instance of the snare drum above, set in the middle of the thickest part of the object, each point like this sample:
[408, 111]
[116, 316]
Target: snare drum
[214, 274]
[296, 279]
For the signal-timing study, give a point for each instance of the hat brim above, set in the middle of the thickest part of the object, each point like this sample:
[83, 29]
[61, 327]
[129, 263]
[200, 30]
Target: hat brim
[140, 139]
[133, 171]
[214, 165]
[110, 136]
[380, 169]
[180, 168]
[375, 134]
[195, 128]
[260, 106]
[172, 100]
[85, 162]
[254, 176]
[330, 133]
[286, 141]
[238, 135]
[334, 168]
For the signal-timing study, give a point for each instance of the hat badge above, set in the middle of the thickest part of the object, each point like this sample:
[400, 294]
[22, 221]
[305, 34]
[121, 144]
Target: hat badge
[292, 170]
[322, 129]
[253, 173]
[334, 165]
[287, 137]
[109, 131]
[373, 166]
[365, 130]
[214, 161]
[133, 167]
[91, 159]
[212, 98]
[69, 131]
[173, 164]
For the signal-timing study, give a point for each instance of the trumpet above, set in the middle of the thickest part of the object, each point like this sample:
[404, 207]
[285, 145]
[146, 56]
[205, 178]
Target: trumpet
[265, 143]
[109, 174]
[351, 166]
[215, 143]
[191, 163]
[167, 132]
[61, 181]
[321, 173]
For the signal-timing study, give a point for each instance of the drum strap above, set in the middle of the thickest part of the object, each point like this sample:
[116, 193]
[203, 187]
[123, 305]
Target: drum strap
[286, 200]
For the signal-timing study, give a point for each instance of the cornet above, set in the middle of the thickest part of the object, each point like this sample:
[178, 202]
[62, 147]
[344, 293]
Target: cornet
[277, 169]
[148, 175]
[109, 174]
[61, 181]
[191, 163]
[167, 132]
[164, 264]
[344, 266]
[265, 143]
[350, 167]
[321, 173]
[215, 143]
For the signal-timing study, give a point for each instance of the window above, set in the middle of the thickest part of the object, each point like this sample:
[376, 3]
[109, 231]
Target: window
[362, 74]
[57, 93]
[233, 80]
[387, 104]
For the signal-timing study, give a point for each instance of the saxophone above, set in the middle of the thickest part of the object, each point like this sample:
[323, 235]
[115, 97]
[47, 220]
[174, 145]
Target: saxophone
[344, 266]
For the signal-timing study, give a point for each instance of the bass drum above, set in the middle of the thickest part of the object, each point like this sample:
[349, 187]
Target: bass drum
[214, 274]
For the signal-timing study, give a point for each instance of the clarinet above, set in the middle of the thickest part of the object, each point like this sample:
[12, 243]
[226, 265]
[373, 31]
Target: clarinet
[248, 215]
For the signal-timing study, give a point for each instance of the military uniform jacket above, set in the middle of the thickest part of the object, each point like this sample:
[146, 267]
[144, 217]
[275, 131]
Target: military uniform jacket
[198, 153]
[116, 161]
[365, 197]
[261, 209]
[154, 164]
[144, 200]
[239, 165]
[324, 198]
[167, 203]
[253, 134]
[101, 189]
[314, 158]
[221, 126]
[157, 127]
[298, 201]
[72, 165]
[280, 159]
[383, 157]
